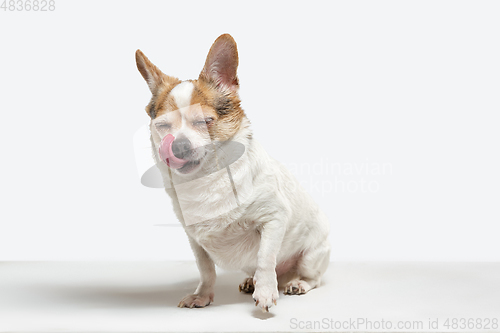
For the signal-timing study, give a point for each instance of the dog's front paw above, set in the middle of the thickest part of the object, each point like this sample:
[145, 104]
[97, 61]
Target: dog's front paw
[265, 297]
[196, 301]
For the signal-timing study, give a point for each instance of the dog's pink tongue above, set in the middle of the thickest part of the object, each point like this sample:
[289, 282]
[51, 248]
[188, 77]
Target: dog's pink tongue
[167, 155]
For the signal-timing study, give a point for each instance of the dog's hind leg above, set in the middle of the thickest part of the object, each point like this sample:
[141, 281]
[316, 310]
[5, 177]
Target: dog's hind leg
[310, 268]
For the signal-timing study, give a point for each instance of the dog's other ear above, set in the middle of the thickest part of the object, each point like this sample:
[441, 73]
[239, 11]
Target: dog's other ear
[152, 74]
[222, 63]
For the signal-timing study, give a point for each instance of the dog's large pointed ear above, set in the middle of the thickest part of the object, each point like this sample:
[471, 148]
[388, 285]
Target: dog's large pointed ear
[152, 74]
[222, 63]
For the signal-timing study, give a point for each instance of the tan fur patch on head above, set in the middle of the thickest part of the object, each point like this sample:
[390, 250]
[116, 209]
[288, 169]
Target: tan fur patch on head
[223, 106]
[161, 101]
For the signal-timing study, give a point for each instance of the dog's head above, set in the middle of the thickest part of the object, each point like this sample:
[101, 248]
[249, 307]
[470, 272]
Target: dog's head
[187, 116]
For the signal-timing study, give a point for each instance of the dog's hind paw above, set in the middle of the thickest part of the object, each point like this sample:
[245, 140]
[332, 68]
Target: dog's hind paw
[247, 286]
[296, 287]
[196, 301]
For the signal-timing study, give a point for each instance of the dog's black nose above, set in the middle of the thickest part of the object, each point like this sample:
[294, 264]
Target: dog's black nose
[181, 147]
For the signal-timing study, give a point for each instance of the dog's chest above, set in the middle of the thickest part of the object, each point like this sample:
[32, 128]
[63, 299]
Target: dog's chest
[232, 246]
[207, 198]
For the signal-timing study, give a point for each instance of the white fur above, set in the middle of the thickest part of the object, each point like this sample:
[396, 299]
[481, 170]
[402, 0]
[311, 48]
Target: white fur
[278, 222]
[274, 231]
[182, 94]
[199, 138]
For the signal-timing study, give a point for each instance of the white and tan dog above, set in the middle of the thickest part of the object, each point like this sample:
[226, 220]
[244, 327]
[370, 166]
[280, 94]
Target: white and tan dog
[251, 215]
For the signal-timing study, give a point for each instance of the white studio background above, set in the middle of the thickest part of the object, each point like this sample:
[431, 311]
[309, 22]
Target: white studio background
[387, 111]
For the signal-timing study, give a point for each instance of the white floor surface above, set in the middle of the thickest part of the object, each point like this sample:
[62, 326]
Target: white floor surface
[143, 297]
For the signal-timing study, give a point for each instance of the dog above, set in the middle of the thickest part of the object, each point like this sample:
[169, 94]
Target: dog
[241, 209]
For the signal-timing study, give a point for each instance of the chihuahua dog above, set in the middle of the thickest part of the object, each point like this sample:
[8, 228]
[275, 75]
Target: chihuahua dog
[240, 208]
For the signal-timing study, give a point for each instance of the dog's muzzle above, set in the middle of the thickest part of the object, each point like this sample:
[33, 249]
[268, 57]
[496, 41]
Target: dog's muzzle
[167, 155]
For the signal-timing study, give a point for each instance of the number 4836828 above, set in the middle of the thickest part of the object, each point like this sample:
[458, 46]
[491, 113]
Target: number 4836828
[28, 5]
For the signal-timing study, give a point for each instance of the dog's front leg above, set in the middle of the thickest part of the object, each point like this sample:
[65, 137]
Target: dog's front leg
[204, 294]
[265, 279]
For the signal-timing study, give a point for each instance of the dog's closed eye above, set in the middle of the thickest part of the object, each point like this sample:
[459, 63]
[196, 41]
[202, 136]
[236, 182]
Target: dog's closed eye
[207, 121]
[163, 126]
